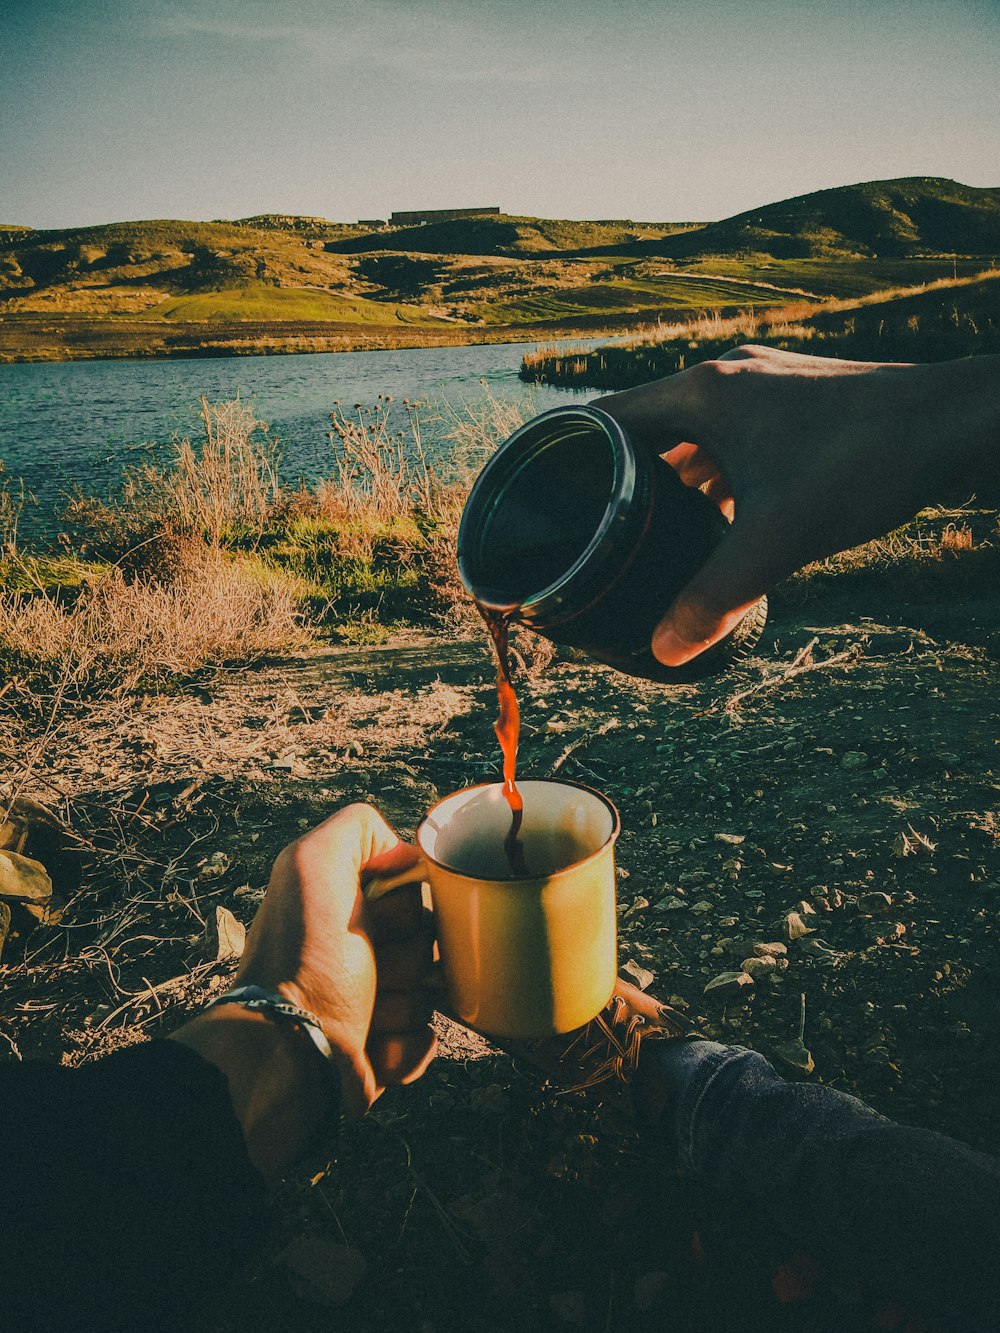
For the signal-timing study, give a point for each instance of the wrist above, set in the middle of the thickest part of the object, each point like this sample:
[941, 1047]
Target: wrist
[281, 1090]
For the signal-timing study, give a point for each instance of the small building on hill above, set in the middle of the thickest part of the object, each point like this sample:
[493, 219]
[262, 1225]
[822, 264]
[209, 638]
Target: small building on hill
[439, 215]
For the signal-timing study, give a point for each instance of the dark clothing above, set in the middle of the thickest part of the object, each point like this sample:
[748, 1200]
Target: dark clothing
[907, 1212]
[125, 1191]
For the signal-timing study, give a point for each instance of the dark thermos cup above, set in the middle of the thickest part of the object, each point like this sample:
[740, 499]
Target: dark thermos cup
[586, 539]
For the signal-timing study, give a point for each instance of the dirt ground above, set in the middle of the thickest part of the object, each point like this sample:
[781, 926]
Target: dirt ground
[849, 773]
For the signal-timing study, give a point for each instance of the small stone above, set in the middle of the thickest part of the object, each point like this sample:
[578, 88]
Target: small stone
[875, 904]
[700, 908]
[853, 759]
[23, 878]
[806, 908]
[820, 951]
[757, 967]
[794, 927]
[795, 1055]
[731, 839]
[728, 985]
[884, 932]
[639, 903]
[670, 905]
[774, 950]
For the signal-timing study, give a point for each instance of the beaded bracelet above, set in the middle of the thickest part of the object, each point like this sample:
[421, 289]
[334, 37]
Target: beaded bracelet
[268, 1002]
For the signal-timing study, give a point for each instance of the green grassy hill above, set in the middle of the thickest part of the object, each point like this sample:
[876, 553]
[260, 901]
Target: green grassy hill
[893, 219]
[170, 287]
[509, 235]
[257, 302]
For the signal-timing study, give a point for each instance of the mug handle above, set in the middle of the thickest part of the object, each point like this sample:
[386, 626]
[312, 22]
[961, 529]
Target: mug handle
[379, 885]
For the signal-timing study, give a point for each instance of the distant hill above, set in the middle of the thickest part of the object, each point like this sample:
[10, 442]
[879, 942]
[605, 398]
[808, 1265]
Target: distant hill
[508, 235]
[915, 215]
[285, 282]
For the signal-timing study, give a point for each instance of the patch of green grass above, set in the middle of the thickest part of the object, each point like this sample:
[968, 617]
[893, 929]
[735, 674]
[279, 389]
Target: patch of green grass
[650, 298]
[359, 564]
[24, 573]
[834, 277]
[366, 630]
[259, 302]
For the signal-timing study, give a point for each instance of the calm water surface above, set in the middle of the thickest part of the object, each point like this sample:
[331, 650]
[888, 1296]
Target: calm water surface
[79, 423]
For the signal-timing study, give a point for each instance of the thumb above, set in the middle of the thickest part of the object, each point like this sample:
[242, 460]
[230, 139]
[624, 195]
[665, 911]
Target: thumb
[735, 576]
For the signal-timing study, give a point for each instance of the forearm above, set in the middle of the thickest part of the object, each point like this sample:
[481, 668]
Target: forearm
[131, 1188]
[955, 418]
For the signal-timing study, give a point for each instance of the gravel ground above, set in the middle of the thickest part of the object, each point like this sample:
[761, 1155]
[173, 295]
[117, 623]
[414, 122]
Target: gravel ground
[840, 798]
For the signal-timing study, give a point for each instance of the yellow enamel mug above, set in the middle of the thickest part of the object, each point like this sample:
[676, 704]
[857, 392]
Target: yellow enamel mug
[530, 956]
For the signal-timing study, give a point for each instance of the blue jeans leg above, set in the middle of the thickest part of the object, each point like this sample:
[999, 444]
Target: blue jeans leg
[909, 1211]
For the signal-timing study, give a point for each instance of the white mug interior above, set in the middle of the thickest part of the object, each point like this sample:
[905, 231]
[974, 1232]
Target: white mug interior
[562, 825]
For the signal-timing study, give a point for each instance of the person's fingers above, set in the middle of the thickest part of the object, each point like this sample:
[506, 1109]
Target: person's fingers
[389, 861]
[737, 573]
[692, 464]
[402, 1010]
[406, 960]
[336, 851]
[401, 1057]
[396, 916]
[719, 493]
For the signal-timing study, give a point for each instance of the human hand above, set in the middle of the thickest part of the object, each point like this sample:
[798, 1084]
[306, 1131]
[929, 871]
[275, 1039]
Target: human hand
[357, 965]
[808, 455]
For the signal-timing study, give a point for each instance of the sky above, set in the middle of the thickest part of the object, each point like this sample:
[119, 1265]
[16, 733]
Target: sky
[655, 110]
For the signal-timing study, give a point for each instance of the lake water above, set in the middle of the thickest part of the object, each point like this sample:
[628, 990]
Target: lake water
[79, 423]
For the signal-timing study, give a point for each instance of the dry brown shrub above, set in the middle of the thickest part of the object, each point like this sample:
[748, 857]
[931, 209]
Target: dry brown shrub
[119, 634]
[957, 537]
[229, 481]
[165, 557]
[381, 473]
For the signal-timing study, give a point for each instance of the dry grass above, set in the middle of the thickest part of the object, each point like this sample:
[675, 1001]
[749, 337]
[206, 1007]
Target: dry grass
[381, 473]
[14, 496]
[209, 558]
[230, 480]
[225, 486]
[666, 348]
[118, 634]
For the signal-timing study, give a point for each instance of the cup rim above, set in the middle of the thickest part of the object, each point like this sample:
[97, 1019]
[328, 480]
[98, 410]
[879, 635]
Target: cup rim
[529, 439]
[609, 841]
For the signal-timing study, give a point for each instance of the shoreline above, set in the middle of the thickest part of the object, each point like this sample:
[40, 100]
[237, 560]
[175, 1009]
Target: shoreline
[41, 338]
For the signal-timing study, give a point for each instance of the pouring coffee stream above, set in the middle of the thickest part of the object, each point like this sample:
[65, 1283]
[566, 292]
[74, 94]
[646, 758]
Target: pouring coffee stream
[507, 728]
